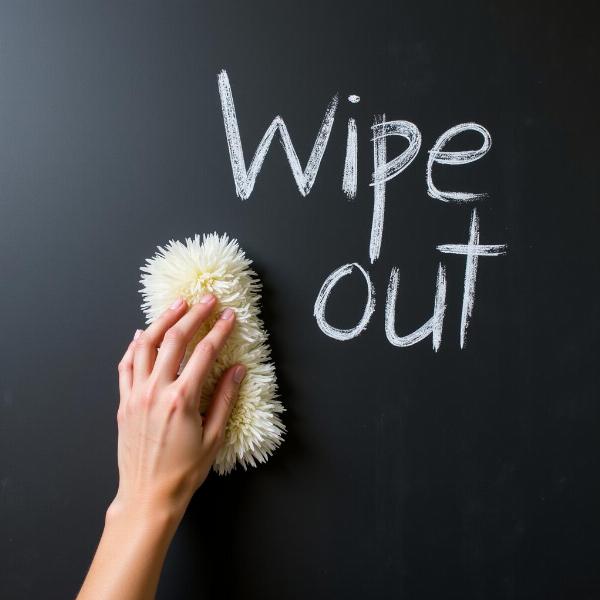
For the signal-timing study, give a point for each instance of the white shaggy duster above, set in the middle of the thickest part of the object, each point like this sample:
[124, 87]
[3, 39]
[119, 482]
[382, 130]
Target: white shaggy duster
[217, 264]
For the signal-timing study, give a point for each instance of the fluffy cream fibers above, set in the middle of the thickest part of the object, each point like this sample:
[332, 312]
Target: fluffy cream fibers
[217, 264]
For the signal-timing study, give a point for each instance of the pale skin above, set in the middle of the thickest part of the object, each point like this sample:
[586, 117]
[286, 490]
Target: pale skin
[165, 448]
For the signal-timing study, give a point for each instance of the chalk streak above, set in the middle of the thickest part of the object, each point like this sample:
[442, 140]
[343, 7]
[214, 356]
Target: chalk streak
[349, 181]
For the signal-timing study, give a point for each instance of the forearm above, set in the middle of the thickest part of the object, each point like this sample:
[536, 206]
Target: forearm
[129, 558]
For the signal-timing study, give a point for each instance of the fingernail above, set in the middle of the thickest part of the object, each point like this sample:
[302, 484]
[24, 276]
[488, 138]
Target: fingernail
[176, 304]
[137, 333]
[208, 298]
[238, 373]
[227, 314]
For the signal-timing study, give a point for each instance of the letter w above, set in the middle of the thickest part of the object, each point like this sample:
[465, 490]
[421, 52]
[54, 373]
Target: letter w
[244, 180]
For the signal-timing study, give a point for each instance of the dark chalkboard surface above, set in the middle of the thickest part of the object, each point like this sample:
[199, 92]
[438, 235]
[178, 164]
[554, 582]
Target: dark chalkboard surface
[469, 473]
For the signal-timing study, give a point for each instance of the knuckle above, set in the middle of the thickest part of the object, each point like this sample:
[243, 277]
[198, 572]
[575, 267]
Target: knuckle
[174, 336]
[148, 395]
[215, 440]
[146, 399]
[206, 348]
[143, 341]
[229, 397]
[124, 365]
[120, 415]
[177, 399]
[183, 387]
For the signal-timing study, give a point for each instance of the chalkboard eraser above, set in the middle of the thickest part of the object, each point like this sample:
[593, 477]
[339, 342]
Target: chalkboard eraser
[217, 264]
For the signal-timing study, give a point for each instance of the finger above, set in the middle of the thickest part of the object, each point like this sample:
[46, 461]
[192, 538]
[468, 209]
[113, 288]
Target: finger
[222, 404]
[177, 337]
[204, 354]
[148, 341]
[125, 368]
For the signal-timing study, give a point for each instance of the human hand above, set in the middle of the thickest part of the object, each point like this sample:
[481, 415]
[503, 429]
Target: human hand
[166, 447]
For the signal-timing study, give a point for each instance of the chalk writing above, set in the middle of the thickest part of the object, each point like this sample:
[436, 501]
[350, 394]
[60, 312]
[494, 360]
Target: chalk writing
[384, 170]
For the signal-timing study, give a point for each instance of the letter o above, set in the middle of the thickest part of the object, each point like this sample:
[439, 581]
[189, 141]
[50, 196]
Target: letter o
[321, 301]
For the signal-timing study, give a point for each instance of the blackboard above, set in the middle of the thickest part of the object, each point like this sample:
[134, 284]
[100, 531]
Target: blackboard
[408, 472]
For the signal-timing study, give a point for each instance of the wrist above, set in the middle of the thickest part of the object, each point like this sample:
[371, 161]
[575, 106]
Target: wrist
[132, 549]
[157, 515]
